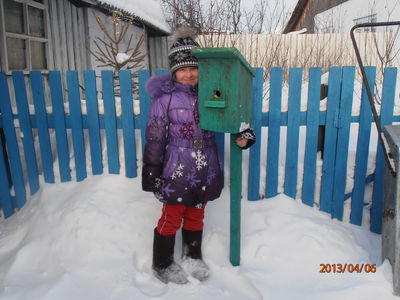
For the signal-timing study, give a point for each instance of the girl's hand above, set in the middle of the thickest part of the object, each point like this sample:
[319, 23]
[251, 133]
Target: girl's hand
[246, 138]
[241, 142]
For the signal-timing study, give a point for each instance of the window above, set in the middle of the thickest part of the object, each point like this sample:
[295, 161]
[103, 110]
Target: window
[25, 35]
[367, 19]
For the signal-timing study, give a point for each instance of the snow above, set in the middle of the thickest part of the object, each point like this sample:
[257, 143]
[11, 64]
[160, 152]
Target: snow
[148, 10]
[301, 31]
[122, 57]
[93, 240]
[100, 107]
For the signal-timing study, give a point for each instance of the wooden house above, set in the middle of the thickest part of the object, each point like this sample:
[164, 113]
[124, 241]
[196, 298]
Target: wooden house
[339, 16]
[56, 34]
[304, 13]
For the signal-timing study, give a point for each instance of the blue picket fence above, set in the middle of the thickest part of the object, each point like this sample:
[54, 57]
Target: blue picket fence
[337, 120]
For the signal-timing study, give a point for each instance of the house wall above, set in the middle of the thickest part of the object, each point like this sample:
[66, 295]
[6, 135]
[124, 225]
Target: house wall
[71, 30]
[342, 17]
[95, 32]
[68, 26]
[310, 8]
[158, 53]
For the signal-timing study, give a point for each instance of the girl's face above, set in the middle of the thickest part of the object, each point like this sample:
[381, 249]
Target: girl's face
[188, 75]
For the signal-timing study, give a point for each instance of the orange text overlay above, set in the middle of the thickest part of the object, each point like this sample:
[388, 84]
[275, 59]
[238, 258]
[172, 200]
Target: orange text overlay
[347, 268]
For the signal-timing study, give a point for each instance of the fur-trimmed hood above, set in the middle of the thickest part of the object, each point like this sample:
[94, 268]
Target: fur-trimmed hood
[159, 85]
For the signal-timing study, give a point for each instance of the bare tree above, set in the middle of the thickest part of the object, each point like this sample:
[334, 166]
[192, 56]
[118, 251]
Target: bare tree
[205, 16]
[110, 52]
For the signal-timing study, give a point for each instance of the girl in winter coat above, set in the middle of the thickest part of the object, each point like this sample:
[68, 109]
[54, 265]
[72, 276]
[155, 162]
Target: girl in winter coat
[180, 163]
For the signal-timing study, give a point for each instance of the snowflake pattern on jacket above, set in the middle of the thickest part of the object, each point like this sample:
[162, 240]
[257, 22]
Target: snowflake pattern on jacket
[185, 173]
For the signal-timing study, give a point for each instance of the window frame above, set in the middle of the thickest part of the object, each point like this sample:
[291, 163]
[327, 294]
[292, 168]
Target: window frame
[26, 36]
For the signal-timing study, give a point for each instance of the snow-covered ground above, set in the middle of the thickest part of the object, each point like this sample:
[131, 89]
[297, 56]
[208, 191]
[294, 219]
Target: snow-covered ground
[93, 240]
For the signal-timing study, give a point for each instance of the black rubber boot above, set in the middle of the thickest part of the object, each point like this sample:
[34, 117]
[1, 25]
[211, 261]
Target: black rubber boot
[164, 267]
[192, 261]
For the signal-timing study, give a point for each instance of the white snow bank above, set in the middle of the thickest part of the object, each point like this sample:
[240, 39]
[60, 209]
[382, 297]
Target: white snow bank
[93, 240]
[148, 10]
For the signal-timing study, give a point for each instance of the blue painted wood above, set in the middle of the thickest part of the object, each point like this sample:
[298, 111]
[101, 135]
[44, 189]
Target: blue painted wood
[57, 101]
[128, 124]
[364, 132]
[292, 142]
[310, 155]
[342, 149]
[328, 165]
[338, 119]
[274, 129]
[26, 130]
[5, 197]
[255, 150]
[145, 103]
[12, 144]
[161, 71]
[386, 118]
[46, 154]
[93, 122]
[110, 121]
[78, 139]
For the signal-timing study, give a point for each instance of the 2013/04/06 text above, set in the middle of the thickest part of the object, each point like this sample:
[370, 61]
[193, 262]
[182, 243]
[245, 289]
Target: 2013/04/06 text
[349, 268]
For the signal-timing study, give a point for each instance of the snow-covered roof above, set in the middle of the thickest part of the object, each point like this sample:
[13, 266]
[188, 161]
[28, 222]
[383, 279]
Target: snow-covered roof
[147, 10]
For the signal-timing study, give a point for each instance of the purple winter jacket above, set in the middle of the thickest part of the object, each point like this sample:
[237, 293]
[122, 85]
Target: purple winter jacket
[180, 161]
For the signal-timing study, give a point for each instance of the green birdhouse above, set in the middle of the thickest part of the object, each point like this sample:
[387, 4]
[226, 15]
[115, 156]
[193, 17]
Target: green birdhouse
[225, 89]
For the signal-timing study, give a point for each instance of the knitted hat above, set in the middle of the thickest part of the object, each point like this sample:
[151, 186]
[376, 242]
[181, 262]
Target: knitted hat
[180, 53]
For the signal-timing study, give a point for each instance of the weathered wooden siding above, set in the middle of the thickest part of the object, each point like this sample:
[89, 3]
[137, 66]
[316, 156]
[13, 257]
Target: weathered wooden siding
[158, 53]
[304, 50]
[68, 36]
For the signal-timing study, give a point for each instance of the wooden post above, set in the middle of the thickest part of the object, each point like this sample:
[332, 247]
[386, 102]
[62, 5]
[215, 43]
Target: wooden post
[236, 195]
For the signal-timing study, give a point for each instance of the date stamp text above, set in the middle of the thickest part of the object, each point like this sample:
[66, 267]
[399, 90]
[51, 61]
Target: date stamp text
[347, 268]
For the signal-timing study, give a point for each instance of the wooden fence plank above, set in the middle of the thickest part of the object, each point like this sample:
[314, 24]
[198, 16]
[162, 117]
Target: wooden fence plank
[310, 155]
[128, 123]
[21, 99]
[110, 121]
[144, 103]
[364, 132]
[337, 119]
[386, 118]
[328, 165]
[76, 125]
[274, 128]
[342, 149]
[42, 126]
[255, 150]
[292, 142]
[5, 197]
[59, 125]
[93, 122]
[12, 144]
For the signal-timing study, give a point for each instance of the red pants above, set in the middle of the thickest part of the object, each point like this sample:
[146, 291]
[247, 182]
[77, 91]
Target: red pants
[173, 215]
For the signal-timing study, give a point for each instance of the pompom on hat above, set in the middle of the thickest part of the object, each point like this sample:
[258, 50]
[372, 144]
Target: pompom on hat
[180, 52]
